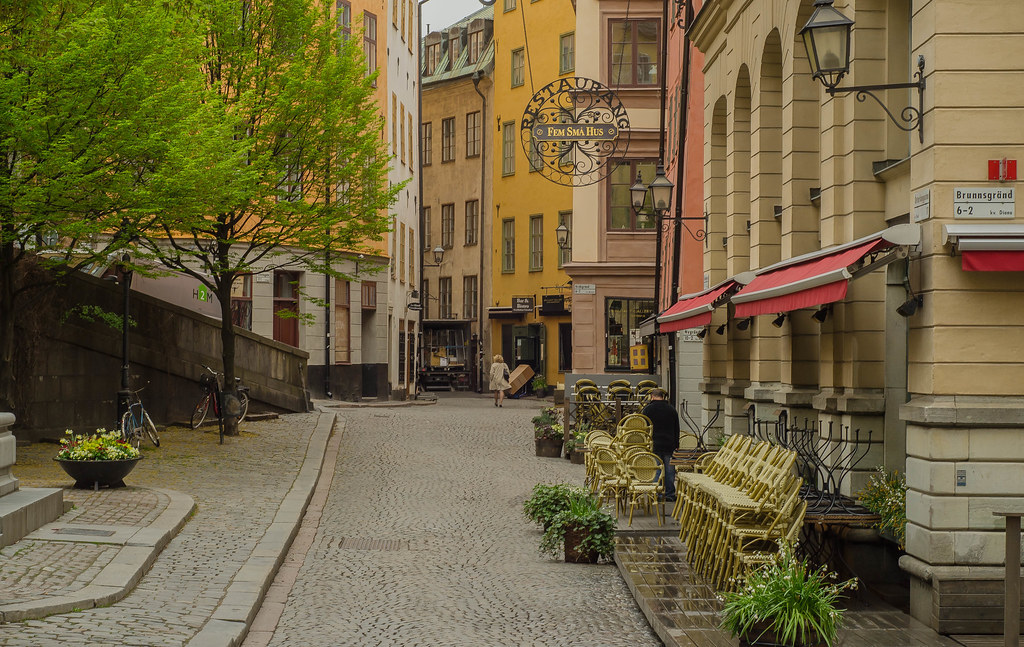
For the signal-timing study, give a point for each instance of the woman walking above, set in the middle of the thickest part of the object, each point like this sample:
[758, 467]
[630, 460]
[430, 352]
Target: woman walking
[499, 379]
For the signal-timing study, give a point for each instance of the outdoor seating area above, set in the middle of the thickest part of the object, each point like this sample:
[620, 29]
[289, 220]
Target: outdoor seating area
[602, 407]
[735, 508]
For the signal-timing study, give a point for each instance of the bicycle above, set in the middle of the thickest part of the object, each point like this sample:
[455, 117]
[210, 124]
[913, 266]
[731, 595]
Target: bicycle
[136, 420]
[210, 385]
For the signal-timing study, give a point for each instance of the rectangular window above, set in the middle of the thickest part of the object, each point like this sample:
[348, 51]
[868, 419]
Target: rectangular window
[447, 226]
[510, 5]
[426, 228]
[342, 322]
[444, 304]
[412, 22]
[564, 347]
[412, 256]
[344, 18]
[241, 301]
[401, 252]
[412, 148]
[536, 243]
[566, 52]
[454, 45]
[394, 124]
[401, 128]
[476, 45]
[401, 351]
[634, 47]
[565, 253]
[472, 218]
[424, 301]
[620, 210]
[291, 175]
[394, 14]
[473, 134]
[286, 307]
[470, 298]
[622, 316]
[448, 139]
[426, 142]
[536, 162]
[508, 148]
[368, 292]
[518, 67]
[403, 18]
[433, 58]
[370, 43]
[508, 245]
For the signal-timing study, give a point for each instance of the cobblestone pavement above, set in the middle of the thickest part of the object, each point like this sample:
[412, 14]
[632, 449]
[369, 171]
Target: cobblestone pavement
[422, 541]
[238, 488]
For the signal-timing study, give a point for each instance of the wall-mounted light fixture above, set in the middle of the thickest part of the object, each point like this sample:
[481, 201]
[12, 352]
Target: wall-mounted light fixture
[562, 236]
[721, 329]
[660, 190]
[438, 253]
[702, 333]
[822, 313]
[778, 321]
[743, 324]
[910, 306]
[827, 41]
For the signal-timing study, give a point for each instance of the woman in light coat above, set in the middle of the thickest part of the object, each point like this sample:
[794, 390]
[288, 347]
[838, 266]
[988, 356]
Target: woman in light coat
[499, 379]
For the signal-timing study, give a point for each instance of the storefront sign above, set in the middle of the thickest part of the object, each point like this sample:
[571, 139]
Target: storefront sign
[638, 358]
[983, 202]
[552, 304]
[584, 288]
[573, 129]
[522, 304]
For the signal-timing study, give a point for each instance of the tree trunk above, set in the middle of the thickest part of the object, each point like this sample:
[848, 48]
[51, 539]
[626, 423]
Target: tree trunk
[7, 299]
[227, 338]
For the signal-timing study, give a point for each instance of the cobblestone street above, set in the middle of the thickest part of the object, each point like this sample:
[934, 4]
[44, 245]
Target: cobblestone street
[422, 541]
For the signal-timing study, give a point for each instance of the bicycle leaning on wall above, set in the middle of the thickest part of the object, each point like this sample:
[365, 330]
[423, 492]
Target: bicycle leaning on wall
[135, 421]
[210, 384]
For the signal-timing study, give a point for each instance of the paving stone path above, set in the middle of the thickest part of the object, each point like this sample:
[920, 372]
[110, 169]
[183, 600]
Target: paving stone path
[422, 541]
[238, 487]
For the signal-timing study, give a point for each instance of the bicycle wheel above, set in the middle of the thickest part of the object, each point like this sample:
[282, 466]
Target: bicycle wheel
[243, 399]
[147, 424]
[129, 432]
[200, 412]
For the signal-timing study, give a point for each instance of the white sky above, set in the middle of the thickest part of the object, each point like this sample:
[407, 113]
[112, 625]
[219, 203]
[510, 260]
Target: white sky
[442, 13]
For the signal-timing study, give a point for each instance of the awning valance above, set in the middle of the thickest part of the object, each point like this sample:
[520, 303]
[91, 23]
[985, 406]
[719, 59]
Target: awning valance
[821, 277]
[693, 310]
[987, 248]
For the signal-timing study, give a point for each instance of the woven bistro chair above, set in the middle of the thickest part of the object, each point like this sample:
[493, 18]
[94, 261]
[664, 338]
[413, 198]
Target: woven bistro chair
[610, 477]
[634, 421]
[594, 440]
[620, 383]
[646, 475]
[646, 384]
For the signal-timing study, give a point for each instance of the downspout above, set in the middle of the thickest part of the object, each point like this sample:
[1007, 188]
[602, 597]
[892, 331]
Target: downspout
[479, 368]
[327, 326]
[419, 199]
[658, 273]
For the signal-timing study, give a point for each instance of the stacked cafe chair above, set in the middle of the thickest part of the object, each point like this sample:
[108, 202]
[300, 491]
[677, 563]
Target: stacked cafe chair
[646, 484]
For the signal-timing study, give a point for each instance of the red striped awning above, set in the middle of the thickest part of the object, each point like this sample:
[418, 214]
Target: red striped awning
[793, 285]
[992, 260]
[693, 310]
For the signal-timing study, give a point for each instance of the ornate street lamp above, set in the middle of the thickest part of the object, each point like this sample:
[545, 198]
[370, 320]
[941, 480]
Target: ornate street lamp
[438, 253]
[827, 41]
[562, 236]
[660, 190]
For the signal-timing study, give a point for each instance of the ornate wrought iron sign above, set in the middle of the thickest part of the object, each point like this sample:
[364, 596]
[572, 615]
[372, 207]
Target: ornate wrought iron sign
[572, 129]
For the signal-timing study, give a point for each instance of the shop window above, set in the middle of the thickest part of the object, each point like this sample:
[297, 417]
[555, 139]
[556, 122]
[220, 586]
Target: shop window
[342, 322]
[633, 48]
[622, 315]
[241, 301]
[620, 209]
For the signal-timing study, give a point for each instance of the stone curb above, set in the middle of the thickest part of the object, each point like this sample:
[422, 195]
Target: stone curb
[236, 611]
[123, 572]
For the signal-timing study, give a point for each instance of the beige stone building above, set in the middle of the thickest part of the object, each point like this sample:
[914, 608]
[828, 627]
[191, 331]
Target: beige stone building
[456, 150]
[902, 246]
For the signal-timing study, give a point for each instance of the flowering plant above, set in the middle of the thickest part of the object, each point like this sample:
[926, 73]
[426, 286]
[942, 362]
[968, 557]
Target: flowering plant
[886, 496]
[546, 426]
[784, 597]
[101, 446]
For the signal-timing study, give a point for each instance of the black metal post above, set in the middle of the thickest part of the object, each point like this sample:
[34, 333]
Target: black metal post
[124, 395]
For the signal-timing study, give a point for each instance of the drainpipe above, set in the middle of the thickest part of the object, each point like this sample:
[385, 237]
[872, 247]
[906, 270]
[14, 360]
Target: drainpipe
[419, 199]
[327, 326]
[478, 369]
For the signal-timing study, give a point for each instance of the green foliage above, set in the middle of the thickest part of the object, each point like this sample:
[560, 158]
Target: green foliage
[785, 597]
[548, 424]
[578, 436]
[96, 313]
[547, 501]
[583, 513]
[539, 382]
[101, 446]
[886, 496]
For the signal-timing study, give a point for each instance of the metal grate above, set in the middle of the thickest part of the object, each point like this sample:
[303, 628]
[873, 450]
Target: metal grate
[355, 543]
[83, 531]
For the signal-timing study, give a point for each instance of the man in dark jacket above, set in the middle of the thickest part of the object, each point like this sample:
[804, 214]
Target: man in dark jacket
[664, 436]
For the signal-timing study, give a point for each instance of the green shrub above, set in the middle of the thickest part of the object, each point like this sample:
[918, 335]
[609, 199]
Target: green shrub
[886, 496]
[583, 513]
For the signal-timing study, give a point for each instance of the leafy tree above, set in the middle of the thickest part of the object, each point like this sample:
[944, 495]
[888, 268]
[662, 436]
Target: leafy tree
[300, 116]
[96, 96]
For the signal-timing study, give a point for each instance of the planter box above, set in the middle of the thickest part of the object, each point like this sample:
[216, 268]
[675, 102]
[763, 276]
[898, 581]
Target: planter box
[548, 448]
[573, 536]
[96, 474]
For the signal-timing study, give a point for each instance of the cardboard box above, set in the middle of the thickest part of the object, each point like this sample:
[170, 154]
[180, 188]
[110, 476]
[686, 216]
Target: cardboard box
[519, 377]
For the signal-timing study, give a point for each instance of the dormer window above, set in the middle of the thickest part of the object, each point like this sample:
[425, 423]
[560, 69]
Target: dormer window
[476, 45]
[433, 58]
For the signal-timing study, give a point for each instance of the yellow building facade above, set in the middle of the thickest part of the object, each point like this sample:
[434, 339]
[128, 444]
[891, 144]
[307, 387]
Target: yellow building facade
[530, 301]
[914, 338]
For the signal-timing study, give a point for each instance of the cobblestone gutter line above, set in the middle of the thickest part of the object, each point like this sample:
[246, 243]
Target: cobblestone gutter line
[237, 609]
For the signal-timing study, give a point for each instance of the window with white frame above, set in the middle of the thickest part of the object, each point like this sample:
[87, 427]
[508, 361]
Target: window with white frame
[473, 134]
[518, 67]
[470, 297]
[508, 148]
[536, 243]
[472, 218]
[444, 304]
[566, 52]
[508, 245]
[565, 253]
[447, 226]
[448, 139]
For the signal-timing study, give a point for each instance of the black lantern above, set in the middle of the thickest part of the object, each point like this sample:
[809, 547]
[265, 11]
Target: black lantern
[438, 254]
[827, 40]
[661, 190]
[562, 236]
[638, 192]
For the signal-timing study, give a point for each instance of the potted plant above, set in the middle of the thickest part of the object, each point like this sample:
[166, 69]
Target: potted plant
[548, 433]
[575, 443]
[547, 501]
[784, 603]
[539, 384]
[99, 459]
[886, 496]
[583, 532]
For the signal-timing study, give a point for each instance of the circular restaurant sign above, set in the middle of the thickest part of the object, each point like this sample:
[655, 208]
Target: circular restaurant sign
[571, 130]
